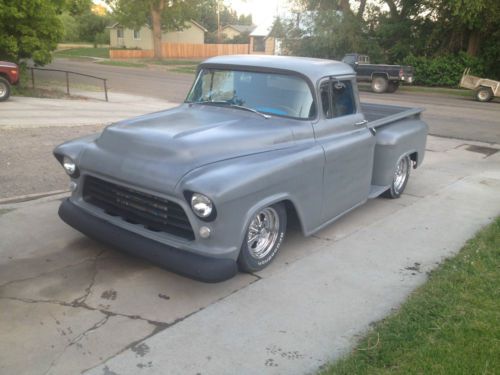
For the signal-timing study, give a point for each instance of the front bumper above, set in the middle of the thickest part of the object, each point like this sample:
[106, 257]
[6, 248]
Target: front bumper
[194, 266]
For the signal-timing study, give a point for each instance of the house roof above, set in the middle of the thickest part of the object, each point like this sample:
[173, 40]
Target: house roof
[241, 28]
[193, 22]
[260, 31]
[197, 24]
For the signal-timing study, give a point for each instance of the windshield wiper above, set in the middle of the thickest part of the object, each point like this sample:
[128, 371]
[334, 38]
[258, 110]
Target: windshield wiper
[233, 106]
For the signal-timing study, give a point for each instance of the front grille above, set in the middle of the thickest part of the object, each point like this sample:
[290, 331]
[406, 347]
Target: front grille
[154, 213]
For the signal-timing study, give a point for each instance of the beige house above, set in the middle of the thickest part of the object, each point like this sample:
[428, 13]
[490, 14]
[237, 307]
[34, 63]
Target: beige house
[232, 31]
[261, 43]
[121, 37]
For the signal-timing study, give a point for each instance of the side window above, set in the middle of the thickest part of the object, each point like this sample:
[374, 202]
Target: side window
[324, 92]
[337, 98]
[343, 99]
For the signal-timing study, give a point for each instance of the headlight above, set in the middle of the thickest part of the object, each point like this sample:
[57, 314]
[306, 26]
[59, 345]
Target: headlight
[69, 166]
[202, 206]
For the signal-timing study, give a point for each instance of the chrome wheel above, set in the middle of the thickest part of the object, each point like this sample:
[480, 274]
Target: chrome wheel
[401, 174]
[263, 233]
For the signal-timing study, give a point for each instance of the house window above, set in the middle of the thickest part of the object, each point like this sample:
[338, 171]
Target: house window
[137, 35]
[119, 32]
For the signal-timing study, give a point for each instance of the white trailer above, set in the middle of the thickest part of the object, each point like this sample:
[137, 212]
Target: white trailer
[484, 89]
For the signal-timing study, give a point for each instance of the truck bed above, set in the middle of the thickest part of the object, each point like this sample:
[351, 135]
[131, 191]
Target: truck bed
[382, 114]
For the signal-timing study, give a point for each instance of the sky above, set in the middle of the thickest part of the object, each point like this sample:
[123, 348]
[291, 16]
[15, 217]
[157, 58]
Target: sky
[263, 11]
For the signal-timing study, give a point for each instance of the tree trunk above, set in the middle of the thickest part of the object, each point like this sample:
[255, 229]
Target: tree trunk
[361, 9]
[156, 10]
[345, 6]
[473, 44]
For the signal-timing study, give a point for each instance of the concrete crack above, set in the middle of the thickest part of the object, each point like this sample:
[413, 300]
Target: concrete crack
[79, 337]
[91, 259]
[168, 325]
[87, 307]
[88, 289]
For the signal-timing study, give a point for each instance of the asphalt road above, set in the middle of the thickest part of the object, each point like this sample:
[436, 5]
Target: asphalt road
[156, 83]
[447, 116]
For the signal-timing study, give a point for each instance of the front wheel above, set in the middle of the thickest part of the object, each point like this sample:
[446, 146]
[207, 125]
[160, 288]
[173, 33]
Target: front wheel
[400, 179]
[263, 238]
[4, 89]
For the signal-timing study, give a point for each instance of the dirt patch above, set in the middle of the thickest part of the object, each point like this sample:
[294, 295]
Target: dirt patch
[27, 165]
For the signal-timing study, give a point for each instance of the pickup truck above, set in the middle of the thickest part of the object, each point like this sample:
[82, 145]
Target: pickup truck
[209, 186]
[9, 75]
[383, 78]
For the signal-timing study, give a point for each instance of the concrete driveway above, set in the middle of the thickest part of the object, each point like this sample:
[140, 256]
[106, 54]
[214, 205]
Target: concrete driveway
[71, 305]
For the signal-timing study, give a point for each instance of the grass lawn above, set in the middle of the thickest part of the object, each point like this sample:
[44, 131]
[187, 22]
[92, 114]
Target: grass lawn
[126, 64]
[184, 69]
[174, 62]
[83, 52]
[450, 325]
[424, 89]
[437, 90]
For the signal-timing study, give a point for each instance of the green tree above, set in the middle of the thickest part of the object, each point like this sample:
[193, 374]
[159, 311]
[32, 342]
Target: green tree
[70, 27]
[327, 29]
[161, 15]
[29, 29]
[91, 26]
[206, 14]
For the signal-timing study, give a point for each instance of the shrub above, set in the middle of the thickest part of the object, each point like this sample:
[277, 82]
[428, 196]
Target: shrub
[445, 70]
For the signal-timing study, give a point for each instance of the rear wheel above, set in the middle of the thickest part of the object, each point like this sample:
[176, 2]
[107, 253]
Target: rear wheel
[393, 86]
[400, 178]
[484, 94]
[263, 238]
[379, 84]
[4, 89]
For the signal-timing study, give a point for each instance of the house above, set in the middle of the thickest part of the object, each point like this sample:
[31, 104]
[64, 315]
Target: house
[233, 31]
[122, 37]
[264, 44]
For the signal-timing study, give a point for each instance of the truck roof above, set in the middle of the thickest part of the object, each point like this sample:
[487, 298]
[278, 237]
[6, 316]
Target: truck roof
[314, 69]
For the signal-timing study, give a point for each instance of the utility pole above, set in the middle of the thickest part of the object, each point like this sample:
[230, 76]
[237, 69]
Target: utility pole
[218, 22]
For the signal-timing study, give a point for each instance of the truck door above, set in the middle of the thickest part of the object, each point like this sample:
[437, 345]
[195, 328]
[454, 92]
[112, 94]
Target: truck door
[348, 145]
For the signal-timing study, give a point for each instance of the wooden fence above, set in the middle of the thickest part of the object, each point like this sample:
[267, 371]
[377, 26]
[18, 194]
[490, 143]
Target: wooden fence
[130, 53]
[183, 51]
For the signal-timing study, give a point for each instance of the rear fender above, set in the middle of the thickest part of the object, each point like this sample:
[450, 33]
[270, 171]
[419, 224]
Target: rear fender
[407, 137]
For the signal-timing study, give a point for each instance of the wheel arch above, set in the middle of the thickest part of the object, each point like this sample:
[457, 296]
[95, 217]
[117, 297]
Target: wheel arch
[414, 158]
[292, 210]
[380, 74]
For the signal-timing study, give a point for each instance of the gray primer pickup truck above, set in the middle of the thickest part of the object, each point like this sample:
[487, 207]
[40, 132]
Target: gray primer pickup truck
[208, 187]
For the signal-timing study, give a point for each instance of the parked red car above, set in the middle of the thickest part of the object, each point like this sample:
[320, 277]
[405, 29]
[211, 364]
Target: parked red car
[9, 75]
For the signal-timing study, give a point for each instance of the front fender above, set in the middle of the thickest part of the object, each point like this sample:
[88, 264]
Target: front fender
[74, 147]
[240, 186]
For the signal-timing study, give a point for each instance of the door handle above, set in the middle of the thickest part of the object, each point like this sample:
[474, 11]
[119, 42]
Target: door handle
[360, 124]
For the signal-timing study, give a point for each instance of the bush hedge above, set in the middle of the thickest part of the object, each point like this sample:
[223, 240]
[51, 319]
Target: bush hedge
[443, 70]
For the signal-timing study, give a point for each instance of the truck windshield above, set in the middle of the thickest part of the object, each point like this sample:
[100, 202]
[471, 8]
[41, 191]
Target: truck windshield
[269, 93]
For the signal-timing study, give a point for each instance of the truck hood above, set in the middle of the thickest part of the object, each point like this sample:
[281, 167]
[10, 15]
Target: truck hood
[154, 151]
